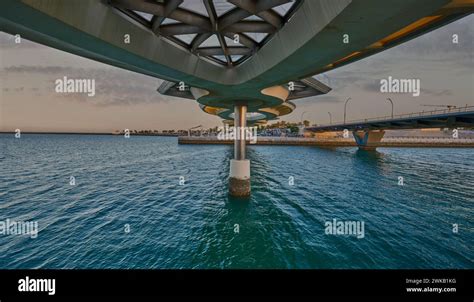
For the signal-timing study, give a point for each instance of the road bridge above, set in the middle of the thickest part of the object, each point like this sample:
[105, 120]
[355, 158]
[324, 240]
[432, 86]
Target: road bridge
[369, 132]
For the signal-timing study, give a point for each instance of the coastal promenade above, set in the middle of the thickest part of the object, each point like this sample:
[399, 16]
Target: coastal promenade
[426, 142]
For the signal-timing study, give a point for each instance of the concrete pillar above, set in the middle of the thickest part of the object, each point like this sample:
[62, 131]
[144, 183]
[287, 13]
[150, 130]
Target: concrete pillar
[240, 122]
[368, 139]
[239, 176]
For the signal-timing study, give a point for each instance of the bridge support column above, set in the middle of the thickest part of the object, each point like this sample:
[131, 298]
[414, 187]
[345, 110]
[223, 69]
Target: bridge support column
[239, 176]
[368, 139]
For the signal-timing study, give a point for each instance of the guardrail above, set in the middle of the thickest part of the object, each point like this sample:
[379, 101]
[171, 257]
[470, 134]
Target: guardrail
[404, 115]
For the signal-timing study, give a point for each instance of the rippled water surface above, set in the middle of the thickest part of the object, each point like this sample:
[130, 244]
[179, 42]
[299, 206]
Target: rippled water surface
[135, 182]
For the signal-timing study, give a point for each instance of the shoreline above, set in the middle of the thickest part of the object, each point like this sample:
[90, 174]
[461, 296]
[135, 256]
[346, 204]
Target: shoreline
[290, 141]
[389, 142]
[91, 133]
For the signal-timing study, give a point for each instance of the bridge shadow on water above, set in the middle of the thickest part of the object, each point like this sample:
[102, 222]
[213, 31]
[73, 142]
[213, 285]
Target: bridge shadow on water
[370, 157]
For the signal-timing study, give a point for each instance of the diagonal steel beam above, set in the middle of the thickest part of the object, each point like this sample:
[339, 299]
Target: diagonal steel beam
[254, 7]
[180, 29]
[229, 18]
[198, 40]
[215, 51]
[211, 11]
[170, 6]
[262, 8]
[243, 39]
[272, 17]
[263, 5]
[153, 8]
[225, 49]
[251, 26]
[191, 18]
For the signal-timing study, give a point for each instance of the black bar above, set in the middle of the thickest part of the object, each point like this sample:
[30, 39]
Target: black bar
[241, 283]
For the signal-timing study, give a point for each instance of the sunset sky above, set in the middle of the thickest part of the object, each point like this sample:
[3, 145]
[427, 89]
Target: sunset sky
[125, 99]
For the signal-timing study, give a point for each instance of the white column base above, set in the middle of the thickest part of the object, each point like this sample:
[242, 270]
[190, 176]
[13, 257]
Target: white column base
[240, 169]
[239, 178]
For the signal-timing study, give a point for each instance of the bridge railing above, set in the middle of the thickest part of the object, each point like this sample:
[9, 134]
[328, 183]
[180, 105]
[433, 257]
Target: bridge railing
[404, 115]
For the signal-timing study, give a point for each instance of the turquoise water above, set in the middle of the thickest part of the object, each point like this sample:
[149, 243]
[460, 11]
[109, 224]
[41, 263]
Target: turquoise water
[135, 183]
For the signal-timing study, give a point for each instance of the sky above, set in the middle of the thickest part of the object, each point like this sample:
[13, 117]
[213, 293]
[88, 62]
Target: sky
[128, 100]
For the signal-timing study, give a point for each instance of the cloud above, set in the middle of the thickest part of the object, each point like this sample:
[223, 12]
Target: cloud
[39, 69]
[324, 99]
[114, 86]
[438, 92]
[14, 89]
[372, 86]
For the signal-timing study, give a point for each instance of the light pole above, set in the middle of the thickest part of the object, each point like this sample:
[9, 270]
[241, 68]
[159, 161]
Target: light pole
[301, 129]
[302, 116]
[330, 118]
[390, 100]
[345, 106]
[189, 130]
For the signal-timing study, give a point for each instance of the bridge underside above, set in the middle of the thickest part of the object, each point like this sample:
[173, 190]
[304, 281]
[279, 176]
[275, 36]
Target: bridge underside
[299, 89]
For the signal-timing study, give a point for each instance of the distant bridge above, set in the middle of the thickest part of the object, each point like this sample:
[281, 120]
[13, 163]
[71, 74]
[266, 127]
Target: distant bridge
[369, 132]
[448, 118]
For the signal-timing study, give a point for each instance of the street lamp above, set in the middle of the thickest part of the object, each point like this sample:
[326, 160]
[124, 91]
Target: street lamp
[189, 130]
[330, 118]
[302, 116]
[390, 100]
[345, 105]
